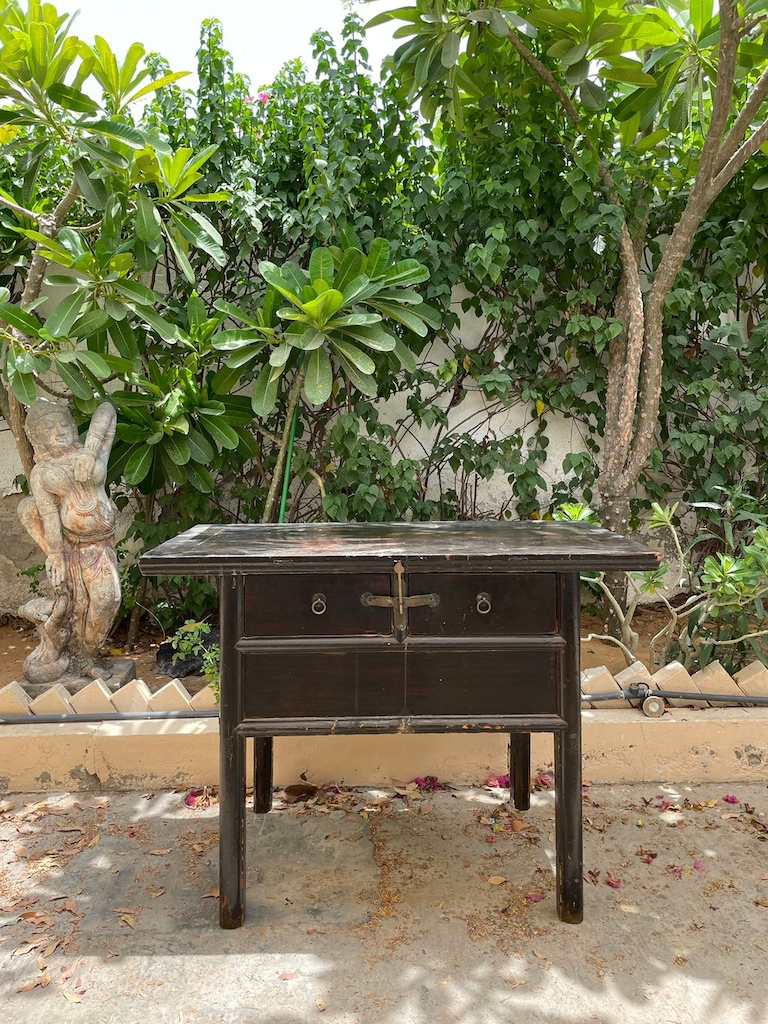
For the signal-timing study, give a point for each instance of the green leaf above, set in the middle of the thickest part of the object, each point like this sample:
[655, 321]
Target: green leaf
[138, 465]
[177, 449]
[404, 354]
[376, 337]
[200, 449]
[148, 225]
[628, 74]
[378, 258]
[321, 266]
[652, 140]
[272, 275]
[349, 269]
[91, 322]
[219, 429]
[174, 76]
[93, 189]
[406, 272]
[318, 380]
[117, 130]
[352, 354]
[200, 478]
[304, 336]
[449, 52]
[324, 306]
[362, 381]
[93, 361]
[64, 314]
[19, 319]
[74, 380]
[23, 386]
[264, 397]
[403, 316]
[72, 99]
[134, 291]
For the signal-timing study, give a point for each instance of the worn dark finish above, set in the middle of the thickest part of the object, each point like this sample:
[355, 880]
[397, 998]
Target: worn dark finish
[262, 774]
[420, 627]
[520, 769]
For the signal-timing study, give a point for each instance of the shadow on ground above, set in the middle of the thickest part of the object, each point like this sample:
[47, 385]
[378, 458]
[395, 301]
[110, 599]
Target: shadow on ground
[378, 908]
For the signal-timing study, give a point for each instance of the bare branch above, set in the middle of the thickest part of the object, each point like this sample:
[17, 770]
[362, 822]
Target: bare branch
[21, 210]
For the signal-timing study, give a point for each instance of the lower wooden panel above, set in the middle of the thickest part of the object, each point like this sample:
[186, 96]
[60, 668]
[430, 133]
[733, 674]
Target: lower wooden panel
[461, 682]
[292, 684]
[400, 682]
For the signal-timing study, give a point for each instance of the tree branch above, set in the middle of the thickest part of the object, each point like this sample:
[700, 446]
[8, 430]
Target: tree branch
[21, 210]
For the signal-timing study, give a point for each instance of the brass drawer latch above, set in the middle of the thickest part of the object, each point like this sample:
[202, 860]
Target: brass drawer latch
[400, 602]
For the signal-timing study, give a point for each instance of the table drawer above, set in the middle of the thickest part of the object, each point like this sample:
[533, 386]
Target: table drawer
[465, 682]
[399, 682]
[315, 605]
[293, 684]
[484, 604]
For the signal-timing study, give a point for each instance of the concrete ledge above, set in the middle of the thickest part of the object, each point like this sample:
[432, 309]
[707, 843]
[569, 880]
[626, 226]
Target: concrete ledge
[711, 745]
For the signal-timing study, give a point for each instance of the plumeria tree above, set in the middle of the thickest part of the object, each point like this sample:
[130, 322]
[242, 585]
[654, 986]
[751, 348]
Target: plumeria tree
[661, 105]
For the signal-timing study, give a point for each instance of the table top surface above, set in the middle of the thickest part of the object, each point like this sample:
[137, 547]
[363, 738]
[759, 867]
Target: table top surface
[493, 545]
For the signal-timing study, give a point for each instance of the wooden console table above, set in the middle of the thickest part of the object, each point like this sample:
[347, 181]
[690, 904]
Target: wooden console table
[364, 628]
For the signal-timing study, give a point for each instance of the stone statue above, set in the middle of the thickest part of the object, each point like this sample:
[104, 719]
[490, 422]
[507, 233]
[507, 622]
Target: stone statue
[71, 517]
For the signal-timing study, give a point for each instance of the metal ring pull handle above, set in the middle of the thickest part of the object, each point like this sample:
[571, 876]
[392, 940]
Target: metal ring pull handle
[319, 605]
[483, 604]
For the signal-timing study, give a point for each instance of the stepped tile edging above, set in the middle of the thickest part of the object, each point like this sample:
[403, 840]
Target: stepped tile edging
[96, 698]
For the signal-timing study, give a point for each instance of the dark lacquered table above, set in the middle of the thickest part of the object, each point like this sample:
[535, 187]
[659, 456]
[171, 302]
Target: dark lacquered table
[364, 628]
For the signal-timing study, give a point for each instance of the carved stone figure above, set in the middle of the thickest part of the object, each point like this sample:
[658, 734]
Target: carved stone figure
[71, 517]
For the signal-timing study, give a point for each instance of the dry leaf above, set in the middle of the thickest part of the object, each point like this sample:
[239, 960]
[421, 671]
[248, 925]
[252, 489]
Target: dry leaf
[214, 892]
[93, 841]
[518, 825]
[128, 919]
[30, 985]
[541, 956]
[24, 948]
[320, 1005]
[497, 880]
[333, 835]
[761, 903]
[42, 963]
[21, 853]
[72, 997]
[45, 980]
[154, 893]
[49, 949]
[301, 791]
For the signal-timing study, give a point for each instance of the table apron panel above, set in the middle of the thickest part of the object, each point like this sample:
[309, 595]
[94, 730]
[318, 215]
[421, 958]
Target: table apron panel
[347, 725]
[400, 682]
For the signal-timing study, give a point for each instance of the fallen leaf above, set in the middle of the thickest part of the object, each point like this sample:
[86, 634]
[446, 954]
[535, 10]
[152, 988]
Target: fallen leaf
[761, 903]
[711, 803]
[30, 985]
[72, 997]
[154, 893]
[128, 919]
[21, 853]
[730, 814]
[320, 1004]
[214, 892]
[333, 835]
[23, 949]
[518, 825]
[159, 853]
[541, 956]
[301, 791]
[497, 880]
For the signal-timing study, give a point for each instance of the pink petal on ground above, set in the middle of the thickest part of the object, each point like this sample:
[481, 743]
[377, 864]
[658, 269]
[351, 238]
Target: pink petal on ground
[698, 865]
[729, 798]
[615, 883]
[534, 897]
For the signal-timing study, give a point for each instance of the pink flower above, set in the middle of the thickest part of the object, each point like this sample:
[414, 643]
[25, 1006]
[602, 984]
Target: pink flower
[248, 99]
[698, 865]
[264, 98]
[615, 883]
[731, 799]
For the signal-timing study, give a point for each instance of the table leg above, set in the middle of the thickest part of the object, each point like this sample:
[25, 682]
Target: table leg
[262, 774]
[232, 760]
[568, 799]
[520, 769]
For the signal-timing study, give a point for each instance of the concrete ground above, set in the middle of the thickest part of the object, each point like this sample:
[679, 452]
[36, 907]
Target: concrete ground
[379, 907]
